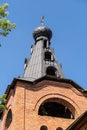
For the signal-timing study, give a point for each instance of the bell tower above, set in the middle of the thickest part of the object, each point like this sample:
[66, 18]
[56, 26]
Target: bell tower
[42, 61]
[43, 99]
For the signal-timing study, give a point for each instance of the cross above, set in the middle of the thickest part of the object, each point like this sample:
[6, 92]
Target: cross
[42, 20]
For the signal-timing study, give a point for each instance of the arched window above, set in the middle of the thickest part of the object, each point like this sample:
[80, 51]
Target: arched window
[51, 71]
[8, 119]
[43, 127]
[54, 109]
[45, 43]
[59, 128]
[48, 55]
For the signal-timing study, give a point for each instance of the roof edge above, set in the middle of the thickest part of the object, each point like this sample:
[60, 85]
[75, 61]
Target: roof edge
[77, 121]
[47, 77]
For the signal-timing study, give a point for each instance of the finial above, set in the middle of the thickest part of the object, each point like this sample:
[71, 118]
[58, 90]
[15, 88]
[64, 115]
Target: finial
[42, 20]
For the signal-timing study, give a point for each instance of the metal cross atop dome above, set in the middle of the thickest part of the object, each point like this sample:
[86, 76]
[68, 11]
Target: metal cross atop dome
[42, 20]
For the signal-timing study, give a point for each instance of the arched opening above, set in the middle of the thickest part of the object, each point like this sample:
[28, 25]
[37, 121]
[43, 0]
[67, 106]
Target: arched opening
[45, 43]
[51, 71]
[8, 119]
[59, 128]
[54, 109]
[48, 56]
[43, 127]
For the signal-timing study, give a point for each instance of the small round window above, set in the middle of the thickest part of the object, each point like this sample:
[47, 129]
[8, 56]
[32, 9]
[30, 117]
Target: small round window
[43, 127]
[59, 128]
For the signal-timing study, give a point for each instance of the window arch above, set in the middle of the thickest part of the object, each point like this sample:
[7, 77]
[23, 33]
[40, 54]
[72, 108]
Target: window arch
[51, 71]
[54, 109]
[59, 128]
[8, 119]
[48, 55]
[43, 127]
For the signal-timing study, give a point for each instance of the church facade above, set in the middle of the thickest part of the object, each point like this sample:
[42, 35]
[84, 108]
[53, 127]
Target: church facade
[43, 99]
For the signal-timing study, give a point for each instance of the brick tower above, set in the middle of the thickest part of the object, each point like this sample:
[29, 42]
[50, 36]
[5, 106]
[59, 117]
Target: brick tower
[43, 99]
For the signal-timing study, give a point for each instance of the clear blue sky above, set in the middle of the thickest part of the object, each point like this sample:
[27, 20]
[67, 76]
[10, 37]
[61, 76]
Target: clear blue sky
[68, 22]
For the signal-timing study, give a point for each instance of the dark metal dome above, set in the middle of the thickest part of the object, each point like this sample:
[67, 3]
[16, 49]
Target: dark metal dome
[42, 31]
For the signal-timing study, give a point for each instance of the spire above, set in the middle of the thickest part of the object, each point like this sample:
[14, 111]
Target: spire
[42, 61]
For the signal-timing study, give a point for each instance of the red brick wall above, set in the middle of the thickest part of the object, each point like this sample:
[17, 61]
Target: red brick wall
[27, 99]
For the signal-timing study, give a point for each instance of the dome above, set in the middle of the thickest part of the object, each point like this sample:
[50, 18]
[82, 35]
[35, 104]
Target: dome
[42, 31]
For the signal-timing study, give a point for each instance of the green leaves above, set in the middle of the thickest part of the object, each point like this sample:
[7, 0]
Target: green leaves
[3, 11]
[2, 102]
[5, 25]
[2, 107]
[3, 99]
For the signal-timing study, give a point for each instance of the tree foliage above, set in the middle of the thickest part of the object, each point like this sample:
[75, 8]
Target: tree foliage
[5, 25]
[3, 102]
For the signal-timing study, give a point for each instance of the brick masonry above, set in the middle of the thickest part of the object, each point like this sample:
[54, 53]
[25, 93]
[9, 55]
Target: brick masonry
[25, 99]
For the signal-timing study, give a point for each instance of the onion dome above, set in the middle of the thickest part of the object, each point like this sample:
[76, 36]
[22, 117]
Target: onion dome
[42, 31]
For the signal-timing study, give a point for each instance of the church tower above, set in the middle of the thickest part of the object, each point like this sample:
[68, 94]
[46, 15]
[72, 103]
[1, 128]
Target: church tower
[42, 61]
[43, 99]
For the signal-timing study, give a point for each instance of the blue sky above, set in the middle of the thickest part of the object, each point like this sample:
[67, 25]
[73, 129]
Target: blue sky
[68, 22]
